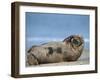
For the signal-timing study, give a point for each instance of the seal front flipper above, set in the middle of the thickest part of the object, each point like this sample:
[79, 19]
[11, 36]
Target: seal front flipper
[32, 60]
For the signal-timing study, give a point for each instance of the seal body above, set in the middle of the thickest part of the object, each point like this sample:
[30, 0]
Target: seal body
[70, 49]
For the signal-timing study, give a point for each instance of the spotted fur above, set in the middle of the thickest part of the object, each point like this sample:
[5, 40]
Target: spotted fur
[70, 49]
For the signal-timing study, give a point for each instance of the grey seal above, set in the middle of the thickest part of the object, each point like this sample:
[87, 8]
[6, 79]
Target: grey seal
[70, 49]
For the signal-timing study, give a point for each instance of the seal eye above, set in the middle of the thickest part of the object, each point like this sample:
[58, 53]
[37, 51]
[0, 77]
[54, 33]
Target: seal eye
[76, 42]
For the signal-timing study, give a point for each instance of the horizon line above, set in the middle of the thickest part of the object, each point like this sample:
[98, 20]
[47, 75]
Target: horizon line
[30, 39]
